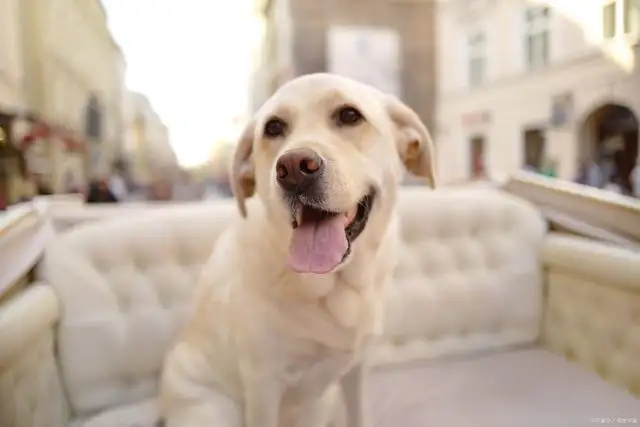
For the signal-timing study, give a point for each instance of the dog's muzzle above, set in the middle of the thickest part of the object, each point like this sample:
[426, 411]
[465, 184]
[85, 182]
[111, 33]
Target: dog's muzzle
[322, 236]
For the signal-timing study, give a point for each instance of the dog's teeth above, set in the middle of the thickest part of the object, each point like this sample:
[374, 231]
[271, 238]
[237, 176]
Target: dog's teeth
[350, 216]
[298, 216]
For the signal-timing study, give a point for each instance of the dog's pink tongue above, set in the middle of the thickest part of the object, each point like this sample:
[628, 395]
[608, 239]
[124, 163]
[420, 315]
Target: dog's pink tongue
[318, 247]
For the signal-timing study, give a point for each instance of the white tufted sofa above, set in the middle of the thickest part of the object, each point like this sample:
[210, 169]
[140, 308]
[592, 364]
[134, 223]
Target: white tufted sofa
[483, 313]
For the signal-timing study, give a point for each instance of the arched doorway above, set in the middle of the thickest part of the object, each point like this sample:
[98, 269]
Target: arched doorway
[610, 137]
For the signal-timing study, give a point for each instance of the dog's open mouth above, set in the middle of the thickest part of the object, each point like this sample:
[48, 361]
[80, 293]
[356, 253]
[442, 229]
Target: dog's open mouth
[322, 239]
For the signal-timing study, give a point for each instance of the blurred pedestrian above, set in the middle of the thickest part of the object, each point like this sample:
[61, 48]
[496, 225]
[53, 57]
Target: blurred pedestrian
[42, 187]
[594, 176]
[118, 186]
[581, 176]
[615, 184]
[99, 192]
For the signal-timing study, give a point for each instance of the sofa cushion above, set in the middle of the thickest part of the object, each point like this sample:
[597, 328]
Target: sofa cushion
[523, 388]
[469, 276]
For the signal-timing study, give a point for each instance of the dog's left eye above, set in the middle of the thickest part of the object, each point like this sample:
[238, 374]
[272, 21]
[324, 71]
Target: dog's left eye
[348, 116]
[275, 128]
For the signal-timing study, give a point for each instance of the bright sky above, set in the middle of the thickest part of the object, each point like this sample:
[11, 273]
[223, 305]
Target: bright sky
[192, 58]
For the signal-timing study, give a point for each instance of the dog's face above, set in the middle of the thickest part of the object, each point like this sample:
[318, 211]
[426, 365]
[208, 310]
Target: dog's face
[325, 156]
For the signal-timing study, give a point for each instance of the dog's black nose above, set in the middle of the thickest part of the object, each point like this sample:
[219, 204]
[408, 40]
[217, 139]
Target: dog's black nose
[298, 169]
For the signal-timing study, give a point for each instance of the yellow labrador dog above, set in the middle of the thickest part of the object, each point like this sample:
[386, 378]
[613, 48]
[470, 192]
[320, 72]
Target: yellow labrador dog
[293, 292]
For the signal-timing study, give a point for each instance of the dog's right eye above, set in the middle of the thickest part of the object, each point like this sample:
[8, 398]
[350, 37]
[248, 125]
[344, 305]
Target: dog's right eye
[274, 128]
[348, 116]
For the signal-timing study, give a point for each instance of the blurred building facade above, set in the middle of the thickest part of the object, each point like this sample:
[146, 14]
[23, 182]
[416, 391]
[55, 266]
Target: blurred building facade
[387, 43]
[147, 146]
[528, 83]
[11, 99]
[74, 75]
[61, 83]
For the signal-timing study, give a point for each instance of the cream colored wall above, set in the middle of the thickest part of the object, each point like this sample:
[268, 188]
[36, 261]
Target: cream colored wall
[258, 87]
[160, 151]
[149, 147]
[70, 45]
[274, 56]
[10, 57]
[516, 98]
[11, 81]
[262, 66]
[283, 26]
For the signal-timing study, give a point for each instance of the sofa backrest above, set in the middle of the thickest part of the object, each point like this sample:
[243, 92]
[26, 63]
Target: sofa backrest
[468, 278]
[124, 286]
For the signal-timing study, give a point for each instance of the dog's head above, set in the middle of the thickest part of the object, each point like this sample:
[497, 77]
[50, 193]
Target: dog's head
[325, 156]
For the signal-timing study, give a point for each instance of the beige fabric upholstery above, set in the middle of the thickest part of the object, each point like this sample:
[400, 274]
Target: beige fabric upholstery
[31, 394]
[518, 388]
[593, 313]
[469, 276]
[469, 280]
[124, 287]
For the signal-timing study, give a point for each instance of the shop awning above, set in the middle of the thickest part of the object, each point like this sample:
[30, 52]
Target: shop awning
[43, 130]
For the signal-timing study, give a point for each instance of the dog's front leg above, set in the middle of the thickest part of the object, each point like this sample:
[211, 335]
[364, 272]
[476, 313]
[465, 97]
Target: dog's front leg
[354, 391]
[262, 398]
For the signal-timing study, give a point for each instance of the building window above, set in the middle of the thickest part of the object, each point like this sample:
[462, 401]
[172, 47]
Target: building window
[534, 142]
[620, 18]
[93, 119]
[537, 37]
[477, 56]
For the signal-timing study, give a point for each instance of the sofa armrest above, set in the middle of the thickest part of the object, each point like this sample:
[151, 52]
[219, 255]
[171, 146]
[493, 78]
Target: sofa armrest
[31, 394]
[592, 312]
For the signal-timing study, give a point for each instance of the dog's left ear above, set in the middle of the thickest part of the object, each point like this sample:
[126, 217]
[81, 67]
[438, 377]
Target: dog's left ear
[242, 174]
[415, 146]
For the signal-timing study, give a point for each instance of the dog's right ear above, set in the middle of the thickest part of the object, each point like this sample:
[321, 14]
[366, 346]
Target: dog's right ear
[242, 179]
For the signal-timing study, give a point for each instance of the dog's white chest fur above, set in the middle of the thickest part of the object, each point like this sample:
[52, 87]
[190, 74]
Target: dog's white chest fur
[311, 367]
